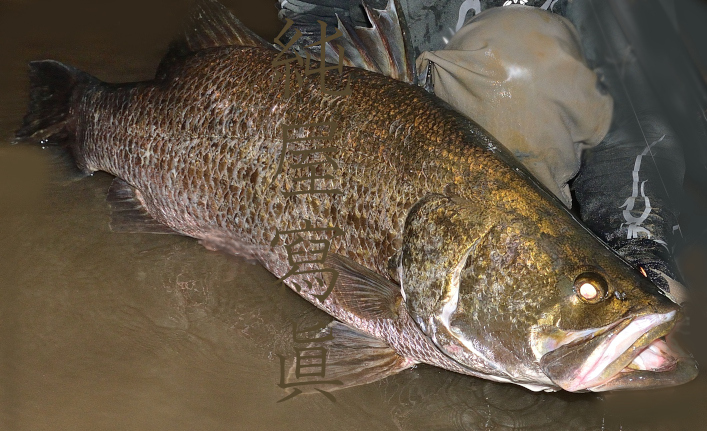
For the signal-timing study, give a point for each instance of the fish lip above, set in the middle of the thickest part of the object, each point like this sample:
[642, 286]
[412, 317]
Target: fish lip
[611, 349]
[657, 326]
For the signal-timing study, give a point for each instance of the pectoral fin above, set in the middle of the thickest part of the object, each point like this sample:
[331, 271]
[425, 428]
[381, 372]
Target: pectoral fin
[352, 358]
[363, 292]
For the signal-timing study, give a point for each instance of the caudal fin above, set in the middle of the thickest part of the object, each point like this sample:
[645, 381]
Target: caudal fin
[54, 89]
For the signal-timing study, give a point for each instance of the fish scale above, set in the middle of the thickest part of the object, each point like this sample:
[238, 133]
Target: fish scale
[153, 144]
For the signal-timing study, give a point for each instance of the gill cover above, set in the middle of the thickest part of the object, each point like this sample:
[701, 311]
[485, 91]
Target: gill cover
[440, 233]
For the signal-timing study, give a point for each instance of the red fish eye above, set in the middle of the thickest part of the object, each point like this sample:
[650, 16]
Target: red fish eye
[590, 287]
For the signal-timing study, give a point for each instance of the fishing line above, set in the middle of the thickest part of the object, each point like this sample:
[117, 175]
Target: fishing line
[615, 63]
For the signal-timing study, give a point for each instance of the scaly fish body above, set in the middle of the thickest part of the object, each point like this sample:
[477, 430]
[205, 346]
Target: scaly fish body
[203, 165]
[498, 279]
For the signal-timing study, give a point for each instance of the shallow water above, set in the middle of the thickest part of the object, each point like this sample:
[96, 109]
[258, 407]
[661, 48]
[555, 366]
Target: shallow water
[102, 331]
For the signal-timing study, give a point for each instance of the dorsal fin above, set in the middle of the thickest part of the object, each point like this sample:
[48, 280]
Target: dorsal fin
[210, 25]
[384, 47]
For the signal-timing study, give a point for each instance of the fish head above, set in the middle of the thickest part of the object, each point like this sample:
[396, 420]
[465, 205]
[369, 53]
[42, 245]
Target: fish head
[610, 329]
[545, 305]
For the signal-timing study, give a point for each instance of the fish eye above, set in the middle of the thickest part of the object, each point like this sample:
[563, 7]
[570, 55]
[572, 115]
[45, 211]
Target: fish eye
[590, 287]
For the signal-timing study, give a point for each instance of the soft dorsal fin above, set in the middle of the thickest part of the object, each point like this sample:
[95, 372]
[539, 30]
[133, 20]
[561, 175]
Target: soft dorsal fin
[211, 25]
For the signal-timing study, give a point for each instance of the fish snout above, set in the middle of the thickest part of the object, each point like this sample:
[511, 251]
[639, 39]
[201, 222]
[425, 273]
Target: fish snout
[635, 352]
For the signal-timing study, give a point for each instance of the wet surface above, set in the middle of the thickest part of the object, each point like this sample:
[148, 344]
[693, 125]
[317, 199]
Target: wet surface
[102, 331]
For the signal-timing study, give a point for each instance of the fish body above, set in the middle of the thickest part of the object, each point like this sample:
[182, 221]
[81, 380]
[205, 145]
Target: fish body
[445, 248]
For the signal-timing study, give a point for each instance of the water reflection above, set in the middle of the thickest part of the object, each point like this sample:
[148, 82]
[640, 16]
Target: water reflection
[157, 330]
[428, 401]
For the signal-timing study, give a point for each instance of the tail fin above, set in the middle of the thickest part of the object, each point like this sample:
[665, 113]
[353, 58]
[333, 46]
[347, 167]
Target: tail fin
[54, 88]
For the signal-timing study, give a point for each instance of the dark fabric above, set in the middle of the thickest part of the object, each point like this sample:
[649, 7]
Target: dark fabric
[629, 186]
[433, 23]
[306, 13]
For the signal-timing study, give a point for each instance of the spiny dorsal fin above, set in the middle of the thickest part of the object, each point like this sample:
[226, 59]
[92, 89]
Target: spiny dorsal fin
[362, 291]
[384, 47]
[355, 52]
[392, 55]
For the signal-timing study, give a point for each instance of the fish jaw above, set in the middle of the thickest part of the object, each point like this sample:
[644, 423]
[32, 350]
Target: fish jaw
[649, 370]
[628, 354]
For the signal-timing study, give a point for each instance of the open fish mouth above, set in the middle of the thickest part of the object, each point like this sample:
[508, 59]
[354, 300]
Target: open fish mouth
[632, 353]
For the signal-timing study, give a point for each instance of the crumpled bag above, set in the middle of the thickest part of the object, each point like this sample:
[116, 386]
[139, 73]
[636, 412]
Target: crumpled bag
[519, 72]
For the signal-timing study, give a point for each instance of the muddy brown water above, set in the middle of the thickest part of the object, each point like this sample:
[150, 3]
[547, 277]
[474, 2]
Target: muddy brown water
[106, 331]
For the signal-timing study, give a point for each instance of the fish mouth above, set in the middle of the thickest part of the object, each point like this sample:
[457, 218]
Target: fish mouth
[633, 353]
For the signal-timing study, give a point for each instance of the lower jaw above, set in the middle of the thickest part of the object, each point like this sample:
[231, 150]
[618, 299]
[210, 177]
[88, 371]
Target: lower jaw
[683, 370]
[677, 368]
[618, 374]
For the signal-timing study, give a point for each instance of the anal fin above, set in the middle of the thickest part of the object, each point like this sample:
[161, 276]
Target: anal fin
[228, 244]
[128, 215]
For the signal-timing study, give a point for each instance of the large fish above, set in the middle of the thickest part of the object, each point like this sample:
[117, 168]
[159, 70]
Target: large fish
[446, 251]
